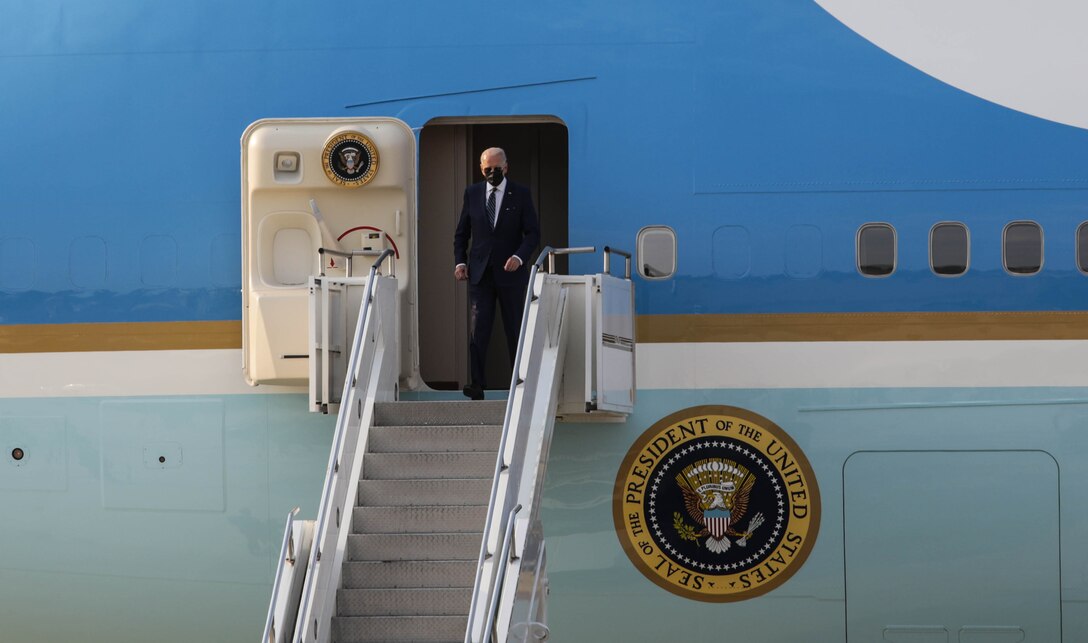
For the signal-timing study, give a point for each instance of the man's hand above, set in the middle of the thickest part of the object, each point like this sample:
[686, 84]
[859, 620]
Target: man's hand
[512, 264]
[460, 273]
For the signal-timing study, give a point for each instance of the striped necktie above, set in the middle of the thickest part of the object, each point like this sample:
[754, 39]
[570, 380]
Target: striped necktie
[491, 208]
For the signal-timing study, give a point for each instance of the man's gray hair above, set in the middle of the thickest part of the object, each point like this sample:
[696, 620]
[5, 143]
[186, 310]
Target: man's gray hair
[493, 151]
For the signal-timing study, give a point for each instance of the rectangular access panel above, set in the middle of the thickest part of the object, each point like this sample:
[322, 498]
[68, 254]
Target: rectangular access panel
[611, 314]
[334, 314]
[958, 546]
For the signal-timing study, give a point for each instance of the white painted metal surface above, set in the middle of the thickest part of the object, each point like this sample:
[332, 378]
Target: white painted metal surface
[334, 303]
[613, 344]
[660, 366]
[862, 364]
[565, 317]
[576, 385]
[288, 215]
[371, 376]
[522, 461]
[294, 554]
[1028, 56]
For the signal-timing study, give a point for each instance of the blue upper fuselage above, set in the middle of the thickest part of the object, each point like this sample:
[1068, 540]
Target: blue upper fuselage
[764, 133]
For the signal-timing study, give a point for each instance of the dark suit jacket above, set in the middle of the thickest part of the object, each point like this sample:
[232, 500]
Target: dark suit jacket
[517, 233]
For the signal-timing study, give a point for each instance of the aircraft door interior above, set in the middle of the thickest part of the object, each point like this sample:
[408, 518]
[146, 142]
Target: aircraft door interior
[342, 185]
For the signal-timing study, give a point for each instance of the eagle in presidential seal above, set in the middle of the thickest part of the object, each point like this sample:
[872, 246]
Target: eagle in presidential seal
[716, 495]
[716, 503]
[350, 159]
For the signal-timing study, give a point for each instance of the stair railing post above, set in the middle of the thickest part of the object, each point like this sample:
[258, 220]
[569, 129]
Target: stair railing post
[608, 252]
[495, 515]
[286, 557]
[327, 512]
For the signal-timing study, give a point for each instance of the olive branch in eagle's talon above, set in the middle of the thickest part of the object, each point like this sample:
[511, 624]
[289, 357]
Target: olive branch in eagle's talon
[685, 531]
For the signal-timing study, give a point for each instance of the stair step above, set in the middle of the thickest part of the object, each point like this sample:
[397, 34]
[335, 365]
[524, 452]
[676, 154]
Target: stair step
[418, 519]
[407, 466]
[367, 629]
[409, 573]
[442, 491]
[411, 559]
[461, 546]
[404, 602]
[464, 437]
[439, 413]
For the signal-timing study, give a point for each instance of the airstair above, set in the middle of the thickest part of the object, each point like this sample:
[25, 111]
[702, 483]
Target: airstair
[418, 522]
[429, 525]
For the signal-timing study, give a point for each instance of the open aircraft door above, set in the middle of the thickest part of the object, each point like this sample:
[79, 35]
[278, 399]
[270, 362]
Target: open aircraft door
[315, 191]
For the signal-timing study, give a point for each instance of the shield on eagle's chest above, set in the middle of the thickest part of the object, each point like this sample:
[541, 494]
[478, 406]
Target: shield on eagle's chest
[717, 522]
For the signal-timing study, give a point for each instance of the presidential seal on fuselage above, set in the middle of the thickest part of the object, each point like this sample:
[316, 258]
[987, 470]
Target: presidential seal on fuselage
[350, 159]
[716, 503]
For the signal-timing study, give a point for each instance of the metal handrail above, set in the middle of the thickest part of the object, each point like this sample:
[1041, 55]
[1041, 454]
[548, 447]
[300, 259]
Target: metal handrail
[286, 555]
[548, 253]
[608, 252]
[500, 576]
[338, 440]
[551, 253]
[350, 255]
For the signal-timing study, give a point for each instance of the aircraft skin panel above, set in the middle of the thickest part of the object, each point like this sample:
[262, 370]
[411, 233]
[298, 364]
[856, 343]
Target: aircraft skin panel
[105, 561]
[801, 103]
[771, 365]
[1022, 57]
[130, 373]
[834, 365]
[169, 550]
[652, 329]
[53, 608]
[833, 399]
[790, 118]
[982, 579]
[764, 132]
[595, 591]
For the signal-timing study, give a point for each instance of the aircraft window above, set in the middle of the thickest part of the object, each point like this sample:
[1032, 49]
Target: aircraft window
[949, 249]
[876, 249]
[656, 252]
[731, 252]
[1023, 248]
[1082, 247]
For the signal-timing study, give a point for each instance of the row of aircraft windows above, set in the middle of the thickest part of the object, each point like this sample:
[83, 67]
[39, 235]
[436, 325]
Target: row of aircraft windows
[950, 249]
[877, 250]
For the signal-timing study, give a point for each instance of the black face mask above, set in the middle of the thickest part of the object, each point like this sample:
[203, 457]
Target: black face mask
[495, 176]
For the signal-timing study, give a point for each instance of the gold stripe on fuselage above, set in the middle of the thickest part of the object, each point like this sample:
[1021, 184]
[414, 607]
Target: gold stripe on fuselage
[861, 327]
[778, 327]
[121, 336]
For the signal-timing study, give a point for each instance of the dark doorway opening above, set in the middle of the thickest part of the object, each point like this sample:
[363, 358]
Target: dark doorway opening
[449, 153]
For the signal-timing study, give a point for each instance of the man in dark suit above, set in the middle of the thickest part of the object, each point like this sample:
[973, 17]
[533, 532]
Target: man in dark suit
[499, 217]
